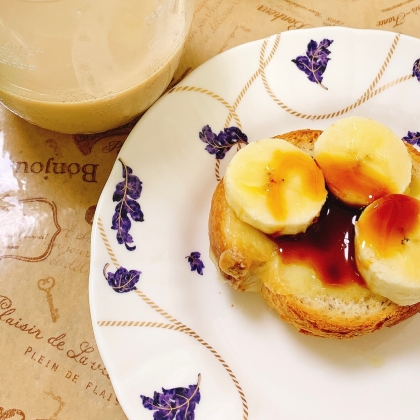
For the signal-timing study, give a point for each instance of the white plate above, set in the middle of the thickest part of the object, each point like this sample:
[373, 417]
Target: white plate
[179, 325]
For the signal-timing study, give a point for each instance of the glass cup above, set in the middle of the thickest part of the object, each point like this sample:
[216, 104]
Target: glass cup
[86, 66]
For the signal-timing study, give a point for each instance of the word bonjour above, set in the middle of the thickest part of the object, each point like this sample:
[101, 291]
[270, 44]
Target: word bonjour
[294, 23]
[58, 168]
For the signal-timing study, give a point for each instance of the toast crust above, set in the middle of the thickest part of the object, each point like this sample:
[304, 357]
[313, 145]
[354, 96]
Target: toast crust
[248, 260]
[318, 323]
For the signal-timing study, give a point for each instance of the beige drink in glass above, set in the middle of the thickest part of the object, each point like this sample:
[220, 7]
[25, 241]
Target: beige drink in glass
[80, 66]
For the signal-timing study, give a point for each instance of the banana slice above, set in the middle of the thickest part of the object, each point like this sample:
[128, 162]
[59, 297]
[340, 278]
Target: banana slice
[387, 248]
[275, 187]
[362, 160]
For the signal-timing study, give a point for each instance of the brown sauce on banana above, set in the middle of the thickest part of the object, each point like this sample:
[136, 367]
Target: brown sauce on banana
[353, 181]
[387, 224]
[327, 245]
[284, 169]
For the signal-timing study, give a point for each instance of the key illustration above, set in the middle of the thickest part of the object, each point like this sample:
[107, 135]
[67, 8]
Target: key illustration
[46, 285]
[60, 407]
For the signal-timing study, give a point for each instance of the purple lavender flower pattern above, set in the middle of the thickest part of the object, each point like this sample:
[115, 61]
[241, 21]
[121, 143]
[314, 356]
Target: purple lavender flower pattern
[314, 63]
[195, 262]
[122, 281]
[413, 138]
[416, 69]
[126, 192]
[175, 403]
[220, 144]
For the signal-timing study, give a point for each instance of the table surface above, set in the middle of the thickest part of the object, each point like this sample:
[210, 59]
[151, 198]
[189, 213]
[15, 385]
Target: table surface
[50, 367]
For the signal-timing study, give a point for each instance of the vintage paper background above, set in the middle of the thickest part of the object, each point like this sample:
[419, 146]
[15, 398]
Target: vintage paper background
[50, 367]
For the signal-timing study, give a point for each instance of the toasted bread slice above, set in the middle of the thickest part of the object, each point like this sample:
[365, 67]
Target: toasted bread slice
[249, 261]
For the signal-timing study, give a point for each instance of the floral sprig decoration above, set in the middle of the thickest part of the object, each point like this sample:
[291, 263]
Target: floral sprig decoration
[126, 192]
[195, 262]
[122, 281]
[176, 403]
[314, 63]
[416, 69]
[413, 138]
[220, 144]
